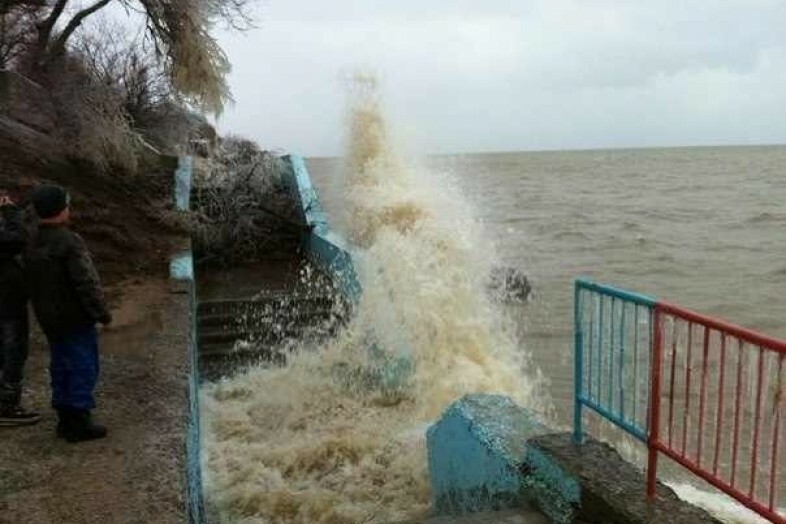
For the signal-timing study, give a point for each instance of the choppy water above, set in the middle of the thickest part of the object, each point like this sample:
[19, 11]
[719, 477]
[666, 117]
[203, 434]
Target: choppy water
[701, 227]
[325, 439]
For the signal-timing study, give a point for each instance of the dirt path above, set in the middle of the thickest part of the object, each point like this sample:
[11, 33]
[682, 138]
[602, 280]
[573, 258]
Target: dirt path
[137, 474]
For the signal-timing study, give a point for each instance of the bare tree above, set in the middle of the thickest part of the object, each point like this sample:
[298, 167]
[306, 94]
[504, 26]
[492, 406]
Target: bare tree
[243, 207]
[179, 32]
[17, 29]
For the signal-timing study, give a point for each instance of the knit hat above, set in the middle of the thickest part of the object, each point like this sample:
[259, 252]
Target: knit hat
[49, 201]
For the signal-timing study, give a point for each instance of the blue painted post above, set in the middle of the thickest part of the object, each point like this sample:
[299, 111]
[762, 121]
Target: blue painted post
[578, 432]
[611, 354]
[603, 401]
[635, 358]
[600, 348]
[622, 361]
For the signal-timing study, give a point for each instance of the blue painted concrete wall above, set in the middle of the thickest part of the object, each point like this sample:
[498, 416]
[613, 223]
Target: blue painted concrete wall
[479, 460]
[181, 268]
[183, 183]
[475, 452]
[324, 247]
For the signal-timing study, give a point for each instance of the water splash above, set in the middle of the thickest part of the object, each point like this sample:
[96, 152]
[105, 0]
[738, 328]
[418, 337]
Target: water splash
[721, 506]
[319, 440]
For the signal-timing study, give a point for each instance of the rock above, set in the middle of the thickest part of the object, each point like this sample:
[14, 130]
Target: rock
[509, 284]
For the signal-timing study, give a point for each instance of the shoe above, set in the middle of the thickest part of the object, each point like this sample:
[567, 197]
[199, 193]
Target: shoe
[17, 416]
[79, 427]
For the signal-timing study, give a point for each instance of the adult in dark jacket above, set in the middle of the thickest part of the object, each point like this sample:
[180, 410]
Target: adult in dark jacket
[68, 302]
[13, 317]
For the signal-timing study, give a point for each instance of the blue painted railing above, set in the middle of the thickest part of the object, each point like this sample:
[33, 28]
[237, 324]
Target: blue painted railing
[613, 337]
[323, 246]
[182, 269]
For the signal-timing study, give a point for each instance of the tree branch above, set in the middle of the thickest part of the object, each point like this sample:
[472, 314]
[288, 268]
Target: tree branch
[48, 24]
[75, 22]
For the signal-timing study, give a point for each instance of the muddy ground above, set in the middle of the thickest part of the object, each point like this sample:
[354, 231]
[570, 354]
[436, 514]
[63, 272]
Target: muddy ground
[136, 475]
[127, 220]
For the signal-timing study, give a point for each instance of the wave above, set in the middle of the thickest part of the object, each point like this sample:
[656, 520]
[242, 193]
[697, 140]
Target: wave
[316, 441]
[766, 216]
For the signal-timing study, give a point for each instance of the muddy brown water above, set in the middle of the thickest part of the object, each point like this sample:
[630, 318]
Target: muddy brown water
[701, 227]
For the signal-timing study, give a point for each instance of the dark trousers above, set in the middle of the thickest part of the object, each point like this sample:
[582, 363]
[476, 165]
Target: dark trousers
[74, 369]
[14, 337]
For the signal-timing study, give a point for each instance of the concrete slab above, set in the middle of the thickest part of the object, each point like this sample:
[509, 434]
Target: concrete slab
[612, 490]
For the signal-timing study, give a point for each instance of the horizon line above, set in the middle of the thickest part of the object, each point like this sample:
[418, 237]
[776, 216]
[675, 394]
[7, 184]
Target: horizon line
[574, 150]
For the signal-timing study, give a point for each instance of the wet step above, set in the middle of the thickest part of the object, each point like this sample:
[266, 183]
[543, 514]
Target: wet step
[265, 322]
[518, 516]
[256, 314]
[233, 334]
[293, 275]
[279, 302]
[214, 343]
[230, 320]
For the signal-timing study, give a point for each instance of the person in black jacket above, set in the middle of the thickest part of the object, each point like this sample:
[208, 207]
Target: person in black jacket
[68, 302]
[13, 317]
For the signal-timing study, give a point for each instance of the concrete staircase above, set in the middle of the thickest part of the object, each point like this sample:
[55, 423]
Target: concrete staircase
[234, 333]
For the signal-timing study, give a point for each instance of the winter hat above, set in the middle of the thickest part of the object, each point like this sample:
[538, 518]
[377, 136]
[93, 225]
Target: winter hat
[49, 201]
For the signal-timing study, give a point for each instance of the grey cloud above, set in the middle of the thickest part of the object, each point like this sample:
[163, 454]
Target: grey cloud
[468, 75]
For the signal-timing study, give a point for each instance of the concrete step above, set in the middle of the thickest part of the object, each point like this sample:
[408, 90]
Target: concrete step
[517, 516]
[285, 302]
[220, 340]
[227, 321]
[268, 336]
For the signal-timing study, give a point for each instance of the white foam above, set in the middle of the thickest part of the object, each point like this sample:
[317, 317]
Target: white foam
[721, 506]
[298, 444]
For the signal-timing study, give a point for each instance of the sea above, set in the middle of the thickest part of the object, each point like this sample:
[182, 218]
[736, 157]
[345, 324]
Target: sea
[701, 227]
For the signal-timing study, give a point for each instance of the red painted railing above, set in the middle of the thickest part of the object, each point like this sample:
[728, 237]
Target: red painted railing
[717, 406]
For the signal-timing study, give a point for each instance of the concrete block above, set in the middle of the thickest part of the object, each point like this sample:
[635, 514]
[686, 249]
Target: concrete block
[612, 491]
[475, 454]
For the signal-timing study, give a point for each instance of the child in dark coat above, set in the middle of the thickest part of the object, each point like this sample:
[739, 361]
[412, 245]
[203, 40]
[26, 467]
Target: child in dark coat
[68, 302]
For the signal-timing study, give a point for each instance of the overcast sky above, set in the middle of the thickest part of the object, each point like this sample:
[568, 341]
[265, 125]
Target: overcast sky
[492, 75]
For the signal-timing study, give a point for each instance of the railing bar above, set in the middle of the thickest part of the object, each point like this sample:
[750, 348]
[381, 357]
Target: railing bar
[578, 356]
[703, 392]
[635, 357]
[619, 293]
[672, 378]
[622, 360]
[655, 394]
[600, 346]
[756, 423]
[719, 417]
[591, 344]
[776, 430]
[688, 372]
[611, 355]
[749, 336]
[611, 417]
[737, 407]
[650, 355]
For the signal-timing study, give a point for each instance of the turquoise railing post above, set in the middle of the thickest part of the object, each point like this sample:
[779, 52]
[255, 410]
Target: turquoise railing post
[578, 379]
[607, 400]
